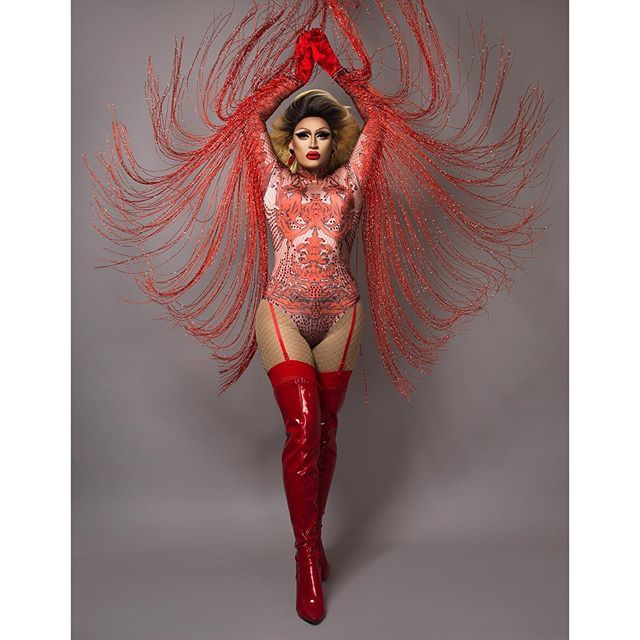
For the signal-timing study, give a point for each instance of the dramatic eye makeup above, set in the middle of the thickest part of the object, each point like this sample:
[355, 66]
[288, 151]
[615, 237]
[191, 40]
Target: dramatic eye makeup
[322, 134]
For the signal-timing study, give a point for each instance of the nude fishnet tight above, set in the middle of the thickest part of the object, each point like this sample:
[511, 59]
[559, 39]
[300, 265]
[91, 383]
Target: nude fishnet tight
[269, 345]
[325, 356]
[328, 353]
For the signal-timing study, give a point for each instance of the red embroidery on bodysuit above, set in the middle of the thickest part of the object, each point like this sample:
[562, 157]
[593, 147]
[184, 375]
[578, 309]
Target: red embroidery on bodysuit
[313, 222]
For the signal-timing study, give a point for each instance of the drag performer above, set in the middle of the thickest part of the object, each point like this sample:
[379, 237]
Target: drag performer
[440, 208]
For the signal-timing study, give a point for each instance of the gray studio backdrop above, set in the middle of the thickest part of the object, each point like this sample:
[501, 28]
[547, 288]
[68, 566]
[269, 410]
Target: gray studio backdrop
[448, 514]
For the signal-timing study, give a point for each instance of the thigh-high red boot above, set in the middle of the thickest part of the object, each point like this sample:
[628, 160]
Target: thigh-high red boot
[333, 388]
[295, 387]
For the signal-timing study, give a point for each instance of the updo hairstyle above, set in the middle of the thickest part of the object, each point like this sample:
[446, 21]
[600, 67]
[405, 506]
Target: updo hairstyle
[321, 104]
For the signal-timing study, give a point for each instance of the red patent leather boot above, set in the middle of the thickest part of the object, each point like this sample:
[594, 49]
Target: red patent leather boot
[332, 386]
[295, 387]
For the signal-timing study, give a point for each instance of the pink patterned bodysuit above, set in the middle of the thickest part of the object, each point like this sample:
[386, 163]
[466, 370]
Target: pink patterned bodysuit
[313, 220]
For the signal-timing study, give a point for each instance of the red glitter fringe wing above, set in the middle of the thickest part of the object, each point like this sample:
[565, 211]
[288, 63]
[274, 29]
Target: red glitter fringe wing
[193, 236]
[444, 225]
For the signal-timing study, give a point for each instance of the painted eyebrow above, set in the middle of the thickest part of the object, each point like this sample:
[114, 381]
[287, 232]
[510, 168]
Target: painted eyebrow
[317, 130]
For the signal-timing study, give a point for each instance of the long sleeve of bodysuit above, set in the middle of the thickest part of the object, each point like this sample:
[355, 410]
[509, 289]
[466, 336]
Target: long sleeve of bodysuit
[368, 144]
[272, 94]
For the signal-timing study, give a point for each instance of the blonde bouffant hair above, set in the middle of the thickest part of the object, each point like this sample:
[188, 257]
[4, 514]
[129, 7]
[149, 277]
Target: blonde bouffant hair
[316, 102]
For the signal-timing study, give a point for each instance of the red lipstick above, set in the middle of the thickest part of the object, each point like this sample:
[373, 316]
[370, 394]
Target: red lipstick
[313, 155]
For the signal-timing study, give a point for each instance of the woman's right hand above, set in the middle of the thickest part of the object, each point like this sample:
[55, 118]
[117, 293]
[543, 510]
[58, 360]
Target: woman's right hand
[304, 58]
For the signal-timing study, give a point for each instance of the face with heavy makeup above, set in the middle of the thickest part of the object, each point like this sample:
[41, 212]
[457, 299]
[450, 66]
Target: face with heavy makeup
[312, 143]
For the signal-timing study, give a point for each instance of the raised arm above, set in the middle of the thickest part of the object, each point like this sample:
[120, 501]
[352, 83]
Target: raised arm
[356, 84]
[269, 96]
